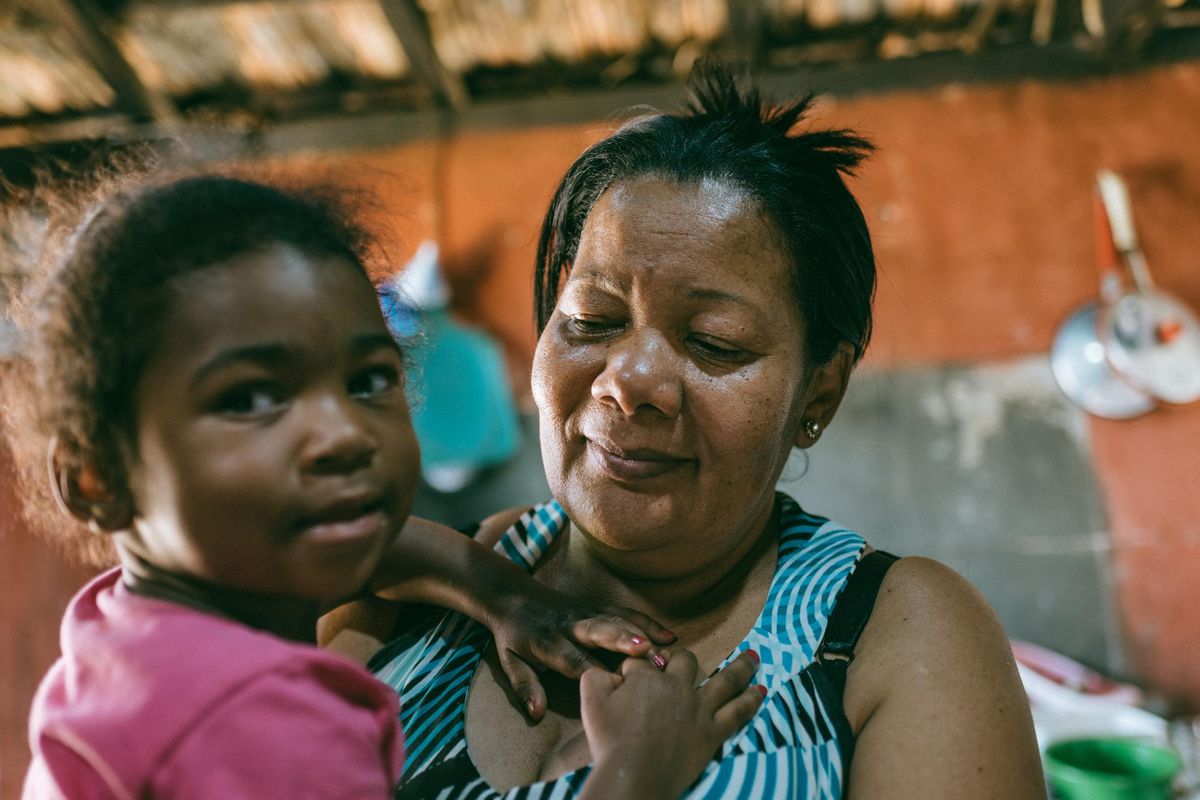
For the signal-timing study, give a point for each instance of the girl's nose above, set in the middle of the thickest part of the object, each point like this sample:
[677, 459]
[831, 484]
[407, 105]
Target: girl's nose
[642, 372]
[338, 439]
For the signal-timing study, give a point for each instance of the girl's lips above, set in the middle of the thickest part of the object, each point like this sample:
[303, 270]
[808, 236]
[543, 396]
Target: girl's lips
[340, 526]
[639, 465]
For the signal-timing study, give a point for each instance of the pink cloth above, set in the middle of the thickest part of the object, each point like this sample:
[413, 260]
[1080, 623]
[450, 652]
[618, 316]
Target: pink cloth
[152, 699]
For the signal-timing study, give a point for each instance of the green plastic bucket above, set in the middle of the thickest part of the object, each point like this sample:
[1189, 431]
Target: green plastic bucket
[1110, 769]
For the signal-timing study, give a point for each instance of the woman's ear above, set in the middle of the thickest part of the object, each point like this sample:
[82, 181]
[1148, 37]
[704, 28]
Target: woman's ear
[826, 389]
[81, 493]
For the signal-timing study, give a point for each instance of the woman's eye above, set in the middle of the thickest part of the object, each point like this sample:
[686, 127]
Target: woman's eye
[249, 401]
[591, 326]
[717, 351]
[373, 382]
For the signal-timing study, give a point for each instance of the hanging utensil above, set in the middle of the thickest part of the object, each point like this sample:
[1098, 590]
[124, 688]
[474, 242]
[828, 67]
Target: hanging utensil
[1137, 346]
[1151, 338]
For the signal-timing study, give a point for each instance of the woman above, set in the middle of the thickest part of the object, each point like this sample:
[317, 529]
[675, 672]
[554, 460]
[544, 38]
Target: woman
[703, 291]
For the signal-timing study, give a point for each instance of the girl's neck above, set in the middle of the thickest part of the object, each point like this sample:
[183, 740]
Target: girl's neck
[287, 617]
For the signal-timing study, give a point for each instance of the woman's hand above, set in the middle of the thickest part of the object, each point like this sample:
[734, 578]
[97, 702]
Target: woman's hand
[651, 733]
[538, 628]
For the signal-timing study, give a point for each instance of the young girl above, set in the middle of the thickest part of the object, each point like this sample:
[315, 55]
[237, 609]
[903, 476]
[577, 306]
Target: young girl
[212, 388]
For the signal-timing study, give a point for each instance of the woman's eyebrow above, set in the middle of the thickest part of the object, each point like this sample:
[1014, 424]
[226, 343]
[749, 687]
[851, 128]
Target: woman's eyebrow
[722, 296]
[599, 279]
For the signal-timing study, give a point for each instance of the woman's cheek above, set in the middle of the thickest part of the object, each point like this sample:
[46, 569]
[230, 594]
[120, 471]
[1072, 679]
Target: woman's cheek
[752, 413]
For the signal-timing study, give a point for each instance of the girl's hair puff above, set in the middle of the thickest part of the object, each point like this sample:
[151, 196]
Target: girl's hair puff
[87, 302]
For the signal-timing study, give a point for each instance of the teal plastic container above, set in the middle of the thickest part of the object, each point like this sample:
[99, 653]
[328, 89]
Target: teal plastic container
[458, 389]
[1111, 769]
[462, 406]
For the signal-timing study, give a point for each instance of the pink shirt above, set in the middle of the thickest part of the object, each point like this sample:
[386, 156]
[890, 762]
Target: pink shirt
[153, 699]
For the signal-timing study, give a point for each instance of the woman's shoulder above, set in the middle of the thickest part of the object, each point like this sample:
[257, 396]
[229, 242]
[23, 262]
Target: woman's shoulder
[922, 604]
[927, 620]
[934, 657]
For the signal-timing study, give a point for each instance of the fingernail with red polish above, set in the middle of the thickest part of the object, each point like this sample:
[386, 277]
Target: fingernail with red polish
[754, 654]
[761, 689]
[668, 633]
[636, 640]
[658, 661]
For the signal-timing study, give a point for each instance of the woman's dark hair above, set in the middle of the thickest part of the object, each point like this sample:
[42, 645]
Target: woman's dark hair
[735, 136]
[94, 304]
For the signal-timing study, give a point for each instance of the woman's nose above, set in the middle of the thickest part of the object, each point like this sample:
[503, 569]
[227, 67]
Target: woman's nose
[641, 373]
[338, 439]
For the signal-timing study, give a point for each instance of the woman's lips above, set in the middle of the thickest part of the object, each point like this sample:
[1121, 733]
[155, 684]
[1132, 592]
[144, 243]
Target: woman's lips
[632, 465]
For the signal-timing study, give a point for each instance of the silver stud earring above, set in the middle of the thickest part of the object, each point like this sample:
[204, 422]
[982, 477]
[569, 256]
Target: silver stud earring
[812, 428]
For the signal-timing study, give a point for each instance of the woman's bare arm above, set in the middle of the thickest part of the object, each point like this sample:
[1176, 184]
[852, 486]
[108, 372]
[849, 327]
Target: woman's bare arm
[935, 698]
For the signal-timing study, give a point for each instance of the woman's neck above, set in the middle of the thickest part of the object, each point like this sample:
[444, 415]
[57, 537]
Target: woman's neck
[286, 617]
[685, 603]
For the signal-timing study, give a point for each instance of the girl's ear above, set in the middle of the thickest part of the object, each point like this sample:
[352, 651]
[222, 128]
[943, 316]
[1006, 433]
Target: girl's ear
[81, 493]
[826, 389]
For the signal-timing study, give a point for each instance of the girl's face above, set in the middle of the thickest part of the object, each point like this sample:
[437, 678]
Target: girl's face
[274, 450]
[670, 378]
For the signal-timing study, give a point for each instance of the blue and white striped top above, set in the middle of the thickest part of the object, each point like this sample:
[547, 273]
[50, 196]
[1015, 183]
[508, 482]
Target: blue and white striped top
[797, 746]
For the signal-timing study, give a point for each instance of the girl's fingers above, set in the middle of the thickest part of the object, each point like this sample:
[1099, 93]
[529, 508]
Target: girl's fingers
[682, 664]
[611, 633]
[730, 681]
[525, 684]
[596, 685]
[738, 711]
[657, 633]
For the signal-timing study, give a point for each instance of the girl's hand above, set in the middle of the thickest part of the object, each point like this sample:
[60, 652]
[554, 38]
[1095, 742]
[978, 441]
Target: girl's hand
[538, 628]
[651, 733]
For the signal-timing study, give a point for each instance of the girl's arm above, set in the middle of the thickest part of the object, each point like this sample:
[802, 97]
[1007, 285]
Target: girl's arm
[652, 733]
[534, 626]
[935, 698]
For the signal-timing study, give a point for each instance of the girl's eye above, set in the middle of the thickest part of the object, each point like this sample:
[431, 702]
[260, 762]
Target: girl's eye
[373, 382]
[250, 401]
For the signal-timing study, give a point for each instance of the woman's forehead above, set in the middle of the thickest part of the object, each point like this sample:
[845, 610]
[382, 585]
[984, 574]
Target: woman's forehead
[710, 200]
[708, 232]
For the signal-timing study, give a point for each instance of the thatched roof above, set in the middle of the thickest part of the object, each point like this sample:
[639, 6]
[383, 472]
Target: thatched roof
[70, 60]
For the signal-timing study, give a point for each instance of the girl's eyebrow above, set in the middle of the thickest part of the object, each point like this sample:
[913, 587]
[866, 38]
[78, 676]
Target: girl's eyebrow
[369, 342]
[272, 354]
[269, 354]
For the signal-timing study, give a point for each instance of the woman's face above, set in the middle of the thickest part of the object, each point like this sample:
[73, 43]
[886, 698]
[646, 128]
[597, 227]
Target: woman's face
[670, 379]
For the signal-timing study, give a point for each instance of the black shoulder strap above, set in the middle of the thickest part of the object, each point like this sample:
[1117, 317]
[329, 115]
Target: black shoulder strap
[850, 616]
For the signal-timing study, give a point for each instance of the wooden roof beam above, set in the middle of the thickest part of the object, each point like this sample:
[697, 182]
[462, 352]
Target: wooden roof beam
[745, 31]
[85, 24]
[412, 29]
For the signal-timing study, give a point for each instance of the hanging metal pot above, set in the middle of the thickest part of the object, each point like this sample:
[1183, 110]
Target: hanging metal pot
[1138, 346]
